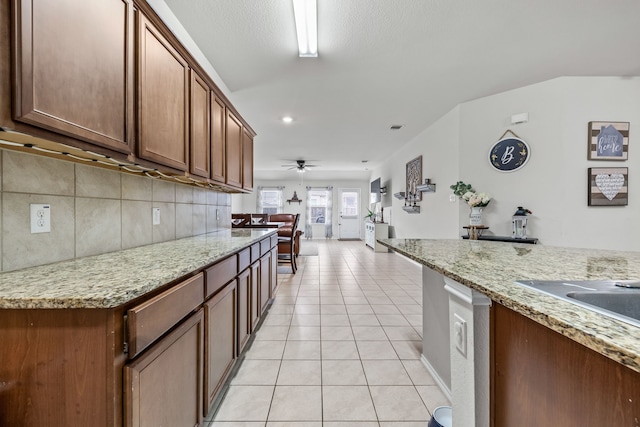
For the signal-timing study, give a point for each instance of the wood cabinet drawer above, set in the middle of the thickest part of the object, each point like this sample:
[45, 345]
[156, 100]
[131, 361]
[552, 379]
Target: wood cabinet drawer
[274, 240]
[265, 246]
[148, 321]
[244, 259]
[255, 252]
[220, 274]
[163, 387]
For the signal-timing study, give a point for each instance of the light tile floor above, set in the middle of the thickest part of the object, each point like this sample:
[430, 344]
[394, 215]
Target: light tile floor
[339, 347]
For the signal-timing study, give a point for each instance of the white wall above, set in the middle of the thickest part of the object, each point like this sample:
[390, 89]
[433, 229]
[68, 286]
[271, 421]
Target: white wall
[438, 146]
[246, 203]
[553, 184]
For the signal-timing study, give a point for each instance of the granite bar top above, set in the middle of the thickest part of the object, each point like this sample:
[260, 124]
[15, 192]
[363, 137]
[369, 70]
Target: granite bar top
[113, 279]
[492, 267]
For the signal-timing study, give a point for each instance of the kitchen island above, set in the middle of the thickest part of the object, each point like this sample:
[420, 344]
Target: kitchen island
[550, 361]
[143, 335]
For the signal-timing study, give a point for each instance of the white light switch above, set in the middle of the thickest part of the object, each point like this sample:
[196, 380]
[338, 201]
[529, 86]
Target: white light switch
[453, 198]
[460, 334]
[156, 216]
[40, 218]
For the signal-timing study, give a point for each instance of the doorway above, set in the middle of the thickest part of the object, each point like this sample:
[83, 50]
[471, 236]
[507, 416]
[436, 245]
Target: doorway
[349, 220]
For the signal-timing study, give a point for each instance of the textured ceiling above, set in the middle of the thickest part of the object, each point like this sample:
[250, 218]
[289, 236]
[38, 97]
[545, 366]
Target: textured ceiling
[384, 62]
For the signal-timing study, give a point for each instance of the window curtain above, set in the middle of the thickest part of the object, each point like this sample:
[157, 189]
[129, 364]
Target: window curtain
[308, 229]
[260, 199]
[328, 226]
[280, 199]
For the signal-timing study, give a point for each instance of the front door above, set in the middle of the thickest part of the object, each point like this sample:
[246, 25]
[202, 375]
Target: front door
[349, 222]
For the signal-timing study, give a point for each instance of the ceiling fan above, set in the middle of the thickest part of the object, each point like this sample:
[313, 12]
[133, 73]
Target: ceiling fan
[300, 166]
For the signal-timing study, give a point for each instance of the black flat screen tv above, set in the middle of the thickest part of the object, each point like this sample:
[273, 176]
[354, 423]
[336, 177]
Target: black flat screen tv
[375, 191]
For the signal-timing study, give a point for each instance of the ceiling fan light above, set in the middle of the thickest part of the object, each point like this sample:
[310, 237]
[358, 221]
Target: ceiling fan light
[300, 170]
[306, 16]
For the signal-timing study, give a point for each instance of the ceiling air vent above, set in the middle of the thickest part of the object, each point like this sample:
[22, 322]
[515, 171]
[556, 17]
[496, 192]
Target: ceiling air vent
[396, 127]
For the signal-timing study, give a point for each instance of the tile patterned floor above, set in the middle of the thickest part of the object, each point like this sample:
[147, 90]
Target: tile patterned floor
[339, 347]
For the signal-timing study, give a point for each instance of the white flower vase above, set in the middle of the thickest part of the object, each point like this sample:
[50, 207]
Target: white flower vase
[475, 217]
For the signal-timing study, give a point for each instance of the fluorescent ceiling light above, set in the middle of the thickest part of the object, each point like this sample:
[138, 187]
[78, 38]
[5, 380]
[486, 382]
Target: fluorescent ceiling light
[287, 119]
[306, 16]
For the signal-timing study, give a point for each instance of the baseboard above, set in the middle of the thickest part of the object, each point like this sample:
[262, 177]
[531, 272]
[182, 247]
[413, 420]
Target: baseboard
[443, 387]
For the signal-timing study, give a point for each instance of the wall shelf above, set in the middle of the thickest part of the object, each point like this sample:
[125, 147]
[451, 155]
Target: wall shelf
[399, 195]
[427, 187]
[411, 209]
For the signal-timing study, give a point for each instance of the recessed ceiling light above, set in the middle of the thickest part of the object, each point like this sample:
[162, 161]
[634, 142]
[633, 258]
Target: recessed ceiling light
[287, 119]
[396, 127]
[365, 161]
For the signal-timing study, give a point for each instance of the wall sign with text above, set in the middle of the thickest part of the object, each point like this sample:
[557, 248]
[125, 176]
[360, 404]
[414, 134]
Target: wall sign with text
[509, 154]
[608, 141]
[608, 187]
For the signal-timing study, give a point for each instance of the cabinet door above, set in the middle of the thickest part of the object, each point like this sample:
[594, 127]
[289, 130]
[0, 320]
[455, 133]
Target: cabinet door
[233, 151]
[244, 307]
[163, 88]
[265, 281]
[254, 297]
[199, 129]
[273, 272]
[163, 387]
[218, 139]
[247, 161]
[74, 69]
[220, 333]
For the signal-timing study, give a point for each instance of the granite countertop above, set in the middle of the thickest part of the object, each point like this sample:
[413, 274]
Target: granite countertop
[492, 267]
[112, 279]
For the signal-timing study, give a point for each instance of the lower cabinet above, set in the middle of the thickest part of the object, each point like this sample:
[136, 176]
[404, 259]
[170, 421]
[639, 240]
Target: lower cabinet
[255, 306]
[542, 378]
[159, 360]
[163, 386]
[265, 280]
[274, 272]
[244, 308]
[220, 331]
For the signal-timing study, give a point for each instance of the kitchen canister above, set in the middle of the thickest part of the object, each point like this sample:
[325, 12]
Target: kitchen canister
[442, 417]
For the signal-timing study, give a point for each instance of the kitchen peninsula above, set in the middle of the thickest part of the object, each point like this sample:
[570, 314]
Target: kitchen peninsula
[551, 362]
[143, 335]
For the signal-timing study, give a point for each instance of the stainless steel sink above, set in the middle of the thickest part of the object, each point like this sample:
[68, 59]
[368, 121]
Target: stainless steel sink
[619, 299]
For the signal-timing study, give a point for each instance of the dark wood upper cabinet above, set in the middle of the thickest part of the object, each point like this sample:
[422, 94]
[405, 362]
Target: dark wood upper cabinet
[200, 126]
[218, 159]
[233, 151]
[247, 160]
[73, 69]
[163, 99]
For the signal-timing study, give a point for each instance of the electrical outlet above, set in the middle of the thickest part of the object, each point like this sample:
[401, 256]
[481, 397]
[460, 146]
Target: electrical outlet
[453, 198]
[156, 216]
[40, 218]
[460, 334]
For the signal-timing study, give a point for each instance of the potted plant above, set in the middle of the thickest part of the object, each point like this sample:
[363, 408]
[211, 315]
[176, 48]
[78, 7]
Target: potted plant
[476, 201]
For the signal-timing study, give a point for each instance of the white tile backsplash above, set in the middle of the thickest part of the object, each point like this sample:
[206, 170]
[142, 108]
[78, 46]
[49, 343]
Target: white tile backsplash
[26, 173]
[98, 226]
[20, 248]
[92, 181]
[94, 210]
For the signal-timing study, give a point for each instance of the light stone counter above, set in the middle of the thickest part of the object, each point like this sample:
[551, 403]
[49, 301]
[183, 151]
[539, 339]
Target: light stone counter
[492, 267]
[112, 279]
